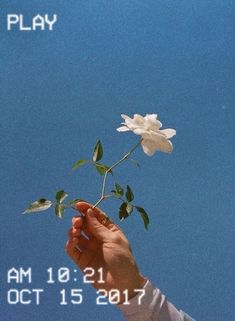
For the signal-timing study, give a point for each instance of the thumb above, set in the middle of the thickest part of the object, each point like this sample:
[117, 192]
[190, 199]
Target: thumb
[97, 229]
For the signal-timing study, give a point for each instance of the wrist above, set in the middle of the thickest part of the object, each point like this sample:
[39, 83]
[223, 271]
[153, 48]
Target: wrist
[138, 284]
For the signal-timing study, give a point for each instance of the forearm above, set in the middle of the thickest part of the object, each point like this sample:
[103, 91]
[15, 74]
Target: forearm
[153, 307]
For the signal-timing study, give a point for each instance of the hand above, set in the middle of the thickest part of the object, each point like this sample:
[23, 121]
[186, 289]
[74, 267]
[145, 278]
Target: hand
[103, 245]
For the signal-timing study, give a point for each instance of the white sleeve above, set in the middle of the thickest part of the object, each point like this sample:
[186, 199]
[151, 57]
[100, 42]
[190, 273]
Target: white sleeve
[153, 307]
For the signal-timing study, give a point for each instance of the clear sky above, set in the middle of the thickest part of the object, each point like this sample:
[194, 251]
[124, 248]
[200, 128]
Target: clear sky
[62, 90]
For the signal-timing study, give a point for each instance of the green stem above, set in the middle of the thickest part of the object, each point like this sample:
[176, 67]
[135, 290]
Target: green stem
[125, 157]
[98, 202]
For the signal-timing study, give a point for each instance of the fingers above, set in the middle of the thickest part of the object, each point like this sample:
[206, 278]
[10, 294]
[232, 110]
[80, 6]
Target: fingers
[79, 222]
[91, 225]
[79, 257]
[83, 207]
[97, 229]
[81, 249]
[72, 250]
[74, 232]
[83, 242]
[95, 224]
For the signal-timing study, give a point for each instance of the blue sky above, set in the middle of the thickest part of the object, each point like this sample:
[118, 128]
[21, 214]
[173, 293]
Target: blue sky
[62, 90]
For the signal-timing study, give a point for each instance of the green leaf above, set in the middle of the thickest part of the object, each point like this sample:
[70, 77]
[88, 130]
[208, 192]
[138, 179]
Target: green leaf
[61, 196]
[40, 205]
[122, 211]
[135, 162]
[144, 216]
[118, 192]
[59, 210]
[129, 194]
[79, 163]
[115, 194]
[129, 208]
[98, 151]
[101, 168]
[119, 189]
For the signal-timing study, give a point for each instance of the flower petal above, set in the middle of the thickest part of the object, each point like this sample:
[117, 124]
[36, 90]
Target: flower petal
[169, 132]
[156, 143]
[129, 122]
[123, 129]
[148, 127]
[138, 120]
[140, 131]
[151, 117]
[148, 146]
[152, 135]
[125, 116]
[163, 145]
[152, 122]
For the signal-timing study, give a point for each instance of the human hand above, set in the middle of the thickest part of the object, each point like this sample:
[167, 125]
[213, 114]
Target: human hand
[104, 247]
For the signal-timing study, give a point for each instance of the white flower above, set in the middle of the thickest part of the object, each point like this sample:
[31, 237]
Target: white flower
[148, 127]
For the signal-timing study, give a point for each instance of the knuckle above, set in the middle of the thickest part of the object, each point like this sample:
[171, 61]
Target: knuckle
[117, 238]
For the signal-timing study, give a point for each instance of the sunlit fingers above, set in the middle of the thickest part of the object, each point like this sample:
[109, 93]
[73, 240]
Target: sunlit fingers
[83, 207]
[72, 250]
[81, 250]
[90, 244]
[74, 232]
[77, 221]
[105, 220]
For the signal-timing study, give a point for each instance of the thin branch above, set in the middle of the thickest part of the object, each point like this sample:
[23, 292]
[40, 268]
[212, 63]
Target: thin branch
[125, 157]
